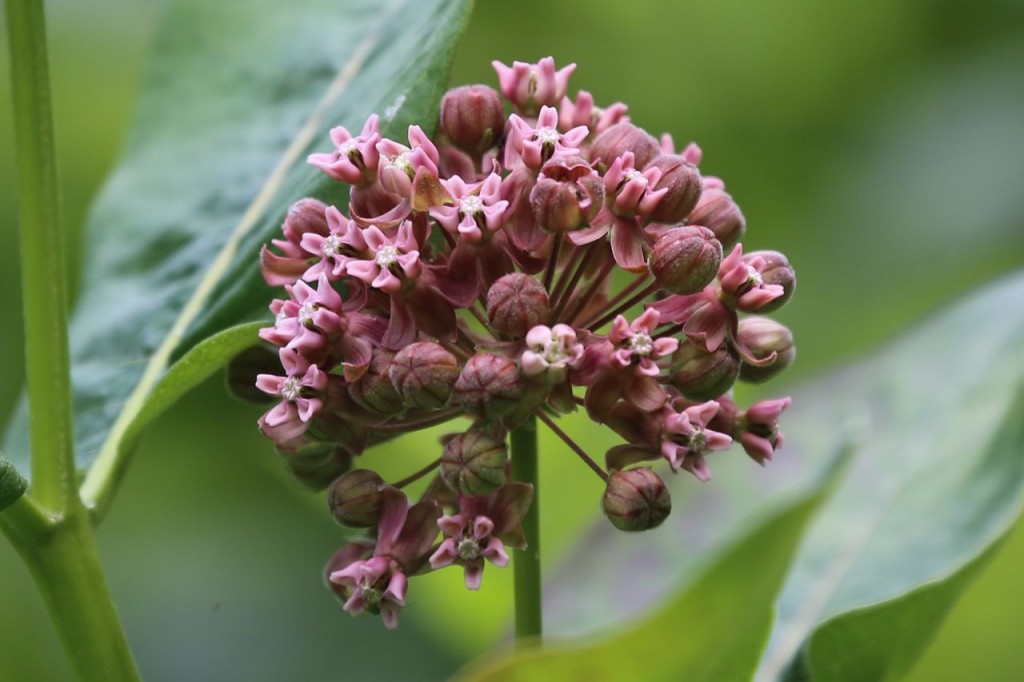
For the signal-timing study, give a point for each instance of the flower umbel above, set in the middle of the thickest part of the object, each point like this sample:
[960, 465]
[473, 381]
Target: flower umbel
[509, 269]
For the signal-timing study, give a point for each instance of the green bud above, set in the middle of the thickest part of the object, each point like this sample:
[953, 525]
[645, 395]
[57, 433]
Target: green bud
[473, 464]
[636, 500]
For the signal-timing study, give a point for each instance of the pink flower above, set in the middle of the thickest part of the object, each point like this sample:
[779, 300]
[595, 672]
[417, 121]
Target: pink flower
[536, 144]
[404, 536]
[529, 86]
[759, 428]
[477, 207]
[686, 439]
[741, 281]
[551, 350]
[399, 164]
[335, 248]
[582, 112]
[354, 159]
[305, 320]
[635, 344]
[298, 392]
[627, 189]
[482, 529]
[390, 258]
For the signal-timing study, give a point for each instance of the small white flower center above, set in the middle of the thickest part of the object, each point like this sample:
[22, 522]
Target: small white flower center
[547, 135]
[387, 256]
[640, 343]
[402, 162]
[349, 147]
[306, 312]
[290, 388]
[753, 276]
[471, 205]
[634, 174]
[469, 549]
[332, 245]
[554, 353]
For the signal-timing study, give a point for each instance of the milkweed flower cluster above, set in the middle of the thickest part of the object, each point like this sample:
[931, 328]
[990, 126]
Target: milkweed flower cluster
[515, 266]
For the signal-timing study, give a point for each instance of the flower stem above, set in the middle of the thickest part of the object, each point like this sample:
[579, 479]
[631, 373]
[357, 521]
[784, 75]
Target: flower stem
[42, 261]
[526, 562]
[50, 527]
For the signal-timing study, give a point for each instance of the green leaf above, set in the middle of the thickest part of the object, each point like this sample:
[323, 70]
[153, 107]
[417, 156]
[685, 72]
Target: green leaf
[936, 481]
[200, 363]
[234, 99]
[12, 484]
[715, 630]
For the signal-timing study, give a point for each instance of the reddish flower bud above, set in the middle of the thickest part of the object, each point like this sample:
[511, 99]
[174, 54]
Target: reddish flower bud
[684, 184]
[473, 118]
[354, 498]
[718, 212]
[568, 195]
[516, 303]
[776, 270]
[636, 499]
[305, 215]
[489, 385]
[374, 390]
[701, 375]
[762, 337]
[473, 464]
[424, 374]
[621, 138]
[685, 259]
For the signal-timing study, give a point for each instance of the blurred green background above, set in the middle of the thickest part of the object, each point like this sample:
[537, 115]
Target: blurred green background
[880, 144]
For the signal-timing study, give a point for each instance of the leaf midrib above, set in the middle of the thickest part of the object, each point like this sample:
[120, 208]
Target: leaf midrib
[97, 479]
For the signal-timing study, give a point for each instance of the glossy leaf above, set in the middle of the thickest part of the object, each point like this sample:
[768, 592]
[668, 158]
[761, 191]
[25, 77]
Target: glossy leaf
[714, 630]
[234, 99]
[936, 481]
[199, 364]
[12, 484]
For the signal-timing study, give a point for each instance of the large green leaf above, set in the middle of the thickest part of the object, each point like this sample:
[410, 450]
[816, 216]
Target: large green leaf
[715, 630]
[235, 97]
[936, 480]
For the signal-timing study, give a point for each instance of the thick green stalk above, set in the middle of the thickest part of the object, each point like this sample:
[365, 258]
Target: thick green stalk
[42, 261]
[51, 529]
[67, 571]
[526, 562]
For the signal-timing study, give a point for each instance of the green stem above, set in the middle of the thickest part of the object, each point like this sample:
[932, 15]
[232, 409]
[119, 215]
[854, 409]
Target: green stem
[526, 562]
[51, 529]
[42, 261]
[67, 571]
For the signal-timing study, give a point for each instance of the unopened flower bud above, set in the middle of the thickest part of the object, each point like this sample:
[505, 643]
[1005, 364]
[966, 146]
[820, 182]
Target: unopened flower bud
[473, 117]
[684, 184]
[245, 367]
[305, 215]
[315, 465]
[685, 259]
[374, 390]
[516, 303]
[636, 499]
[718, 212]
[556, 206]
[424, 374]
[621, 138]
[701, 375]
[776, 270]
[761, 337]
[354, 498]
[489, 385]
[473, 464]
